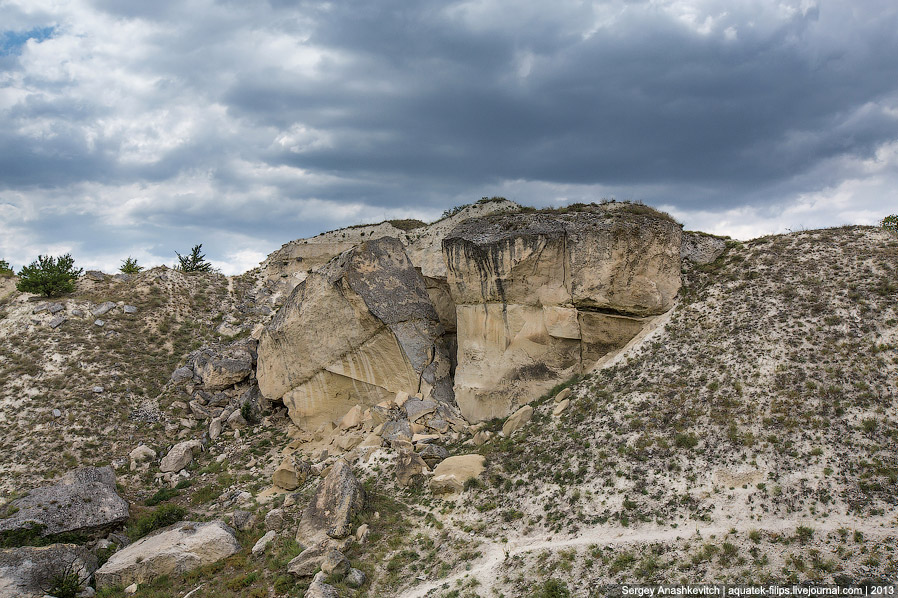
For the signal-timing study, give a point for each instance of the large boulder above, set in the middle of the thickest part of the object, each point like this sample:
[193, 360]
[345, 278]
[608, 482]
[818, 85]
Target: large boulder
[180, 456]
[541, 296]
[173, 550]
[517, 420]
[452, 473]
[319, 588]
[357, 330]
[307, 562]
[222, 367]
[291, 473]
[408, 465]
[84, 501]
[337, 500]
[29, 571]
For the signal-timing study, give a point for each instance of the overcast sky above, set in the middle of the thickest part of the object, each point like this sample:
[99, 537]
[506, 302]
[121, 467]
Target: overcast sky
[130, 127]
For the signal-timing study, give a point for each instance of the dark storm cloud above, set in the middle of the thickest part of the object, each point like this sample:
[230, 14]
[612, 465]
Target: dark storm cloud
[650, 102]
[268, 121]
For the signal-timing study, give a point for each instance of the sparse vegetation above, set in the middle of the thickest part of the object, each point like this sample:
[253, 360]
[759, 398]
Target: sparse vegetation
[766, 401]
[68, 582]
[150, 521]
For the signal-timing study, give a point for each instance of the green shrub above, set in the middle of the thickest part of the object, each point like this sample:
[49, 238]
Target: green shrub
[194, 262]
[129, 266]
[890, 223]
[686, 441]
[34, 536]
[49, 276]
[67, 582]
[103, 554]
[553, 588]
[5, 270]
[162, 495]
[157, 519]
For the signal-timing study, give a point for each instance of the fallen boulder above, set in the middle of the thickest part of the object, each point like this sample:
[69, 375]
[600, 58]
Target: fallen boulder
[517, 420]
[432, 454]
[28, 571]
[452, 473]
[221, 367]
[84, 501]
[409, 464]
[103, 308]
[173, 550]
[180, 456]
[320, 589]
[291, 473]
[141, 454]
[337, 500]
[263, 542]
[307, 562]
[335, 563]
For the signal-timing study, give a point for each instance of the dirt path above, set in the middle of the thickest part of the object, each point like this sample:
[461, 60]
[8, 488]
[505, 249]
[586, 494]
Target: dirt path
[494, 554]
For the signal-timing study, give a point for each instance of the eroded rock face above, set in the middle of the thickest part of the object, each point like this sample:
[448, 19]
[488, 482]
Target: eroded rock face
[296, 259]
[83, 501]
[541, 296]
[425, 251]
[173, 550]
[26, 571]
[702, 248]
[357, 330]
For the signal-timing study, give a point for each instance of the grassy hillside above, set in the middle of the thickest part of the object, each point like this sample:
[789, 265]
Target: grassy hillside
[753, 437]
[130, 357]
[764, 413]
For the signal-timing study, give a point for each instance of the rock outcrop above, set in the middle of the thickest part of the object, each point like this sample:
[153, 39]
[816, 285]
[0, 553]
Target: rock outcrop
[28, 571]
[541, 296]
[173, 550]
[701, 248]
[426, 253]
[356, 331]
[84, 501]
[294, 261]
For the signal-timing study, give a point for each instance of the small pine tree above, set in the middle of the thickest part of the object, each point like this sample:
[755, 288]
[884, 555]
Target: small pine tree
[49, 276]
[890, 223]
[129, 266]
[195, 262]
[5, 270]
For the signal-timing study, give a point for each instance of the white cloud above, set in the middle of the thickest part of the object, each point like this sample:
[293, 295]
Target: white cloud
[141, 128]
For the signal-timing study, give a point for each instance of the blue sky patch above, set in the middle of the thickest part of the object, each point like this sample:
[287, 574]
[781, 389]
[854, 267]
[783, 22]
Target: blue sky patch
[11, 42]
